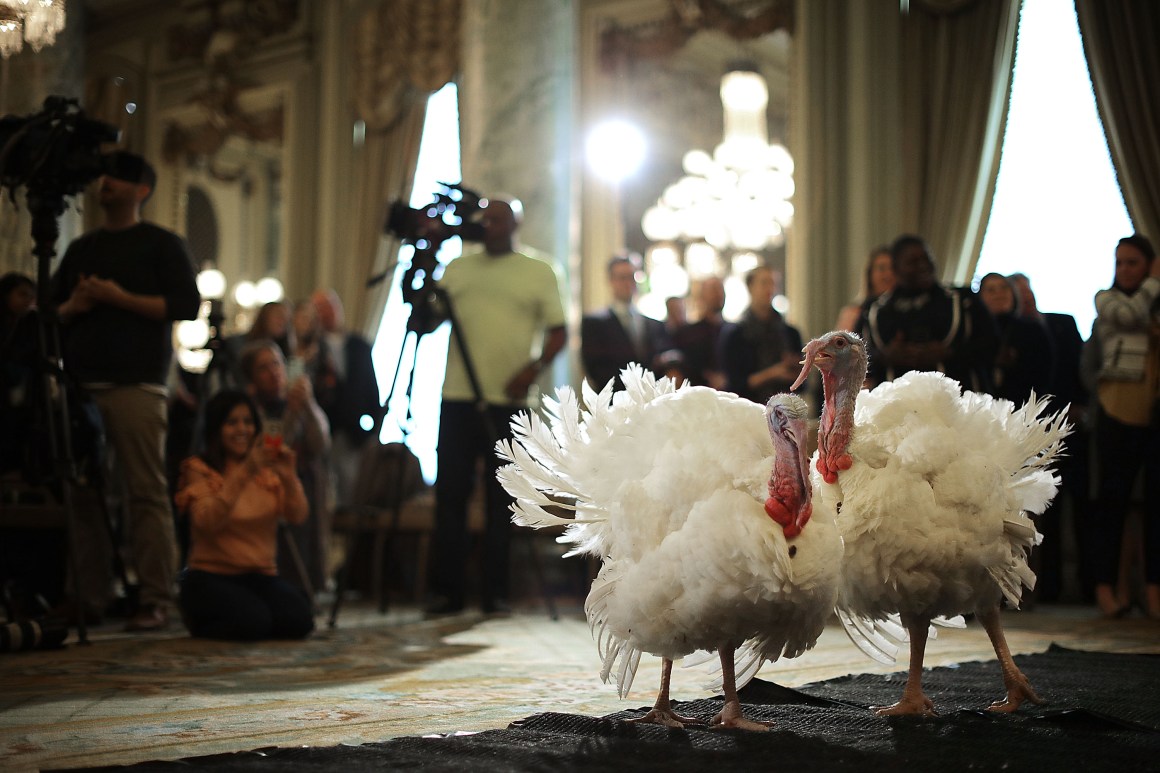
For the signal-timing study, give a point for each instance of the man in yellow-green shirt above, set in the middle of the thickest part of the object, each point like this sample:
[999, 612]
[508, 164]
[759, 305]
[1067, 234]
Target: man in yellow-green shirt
[509, 314]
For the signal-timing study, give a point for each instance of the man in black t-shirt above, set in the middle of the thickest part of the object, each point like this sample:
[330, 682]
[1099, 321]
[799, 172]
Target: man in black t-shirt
[119, 289]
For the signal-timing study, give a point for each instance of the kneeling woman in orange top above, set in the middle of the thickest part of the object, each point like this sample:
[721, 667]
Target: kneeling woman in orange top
[235, 494]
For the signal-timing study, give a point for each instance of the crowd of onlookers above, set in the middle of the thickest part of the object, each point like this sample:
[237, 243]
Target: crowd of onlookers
[992, 339]
[253, 455]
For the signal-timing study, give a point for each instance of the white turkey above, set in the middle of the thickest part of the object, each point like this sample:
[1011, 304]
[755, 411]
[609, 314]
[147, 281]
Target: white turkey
[930, 487]
[677, 492]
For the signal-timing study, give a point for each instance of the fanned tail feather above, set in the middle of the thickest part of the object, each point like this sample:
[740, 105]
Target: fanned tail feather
[612, 649]
[869, 639]
[748, 660]
[1039, 439]
[882, 639]
[958, 621]
[1009, 584]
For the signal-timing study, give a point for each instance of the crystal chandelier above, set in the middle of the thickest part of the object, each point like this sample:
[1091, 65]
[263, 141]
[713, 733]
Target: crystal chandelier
[36, 22]
[738, 198]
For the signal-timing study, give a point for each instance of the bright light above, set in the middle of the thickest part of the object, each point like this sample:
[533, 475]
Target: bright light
[744, 90]
[246, 294]
[1058, 211]
[211, 283]
[615, 150]
[194, 360]
[269, 290]
[193, 333]
[737, 198]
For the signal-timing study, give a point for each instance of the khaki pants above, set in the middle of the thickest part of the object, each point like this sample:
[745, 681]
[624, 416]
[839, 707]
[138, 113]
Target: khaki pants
[136, 422]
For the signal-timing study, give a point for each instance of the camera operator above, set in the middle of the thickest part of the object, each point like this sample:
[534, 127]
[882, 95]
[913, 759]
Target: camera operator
[508, 306]
[119, 289]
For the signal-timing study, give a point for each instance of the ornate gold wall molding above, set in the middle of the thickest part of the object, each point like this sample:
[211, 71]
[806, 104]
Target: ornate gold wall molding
[621, 46]
[403, 52]
[224, 41]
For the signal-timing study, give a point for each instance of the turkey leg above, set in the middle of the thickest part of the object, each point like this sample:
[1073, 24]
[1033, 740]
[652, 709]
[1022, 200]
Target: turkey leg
[1018, 686]
[730, 716]
[914, 701]
[662, 711]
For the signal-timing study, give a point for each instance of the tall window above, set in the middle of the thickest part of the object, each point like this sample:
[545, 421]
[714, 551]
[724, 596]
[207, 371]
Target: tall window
[394, 351]
[1058, 210]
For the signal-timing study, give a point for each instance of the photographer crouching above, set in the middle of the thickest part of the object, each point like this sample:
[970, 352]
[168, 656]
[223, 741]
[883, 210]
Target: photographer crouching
[507, 307]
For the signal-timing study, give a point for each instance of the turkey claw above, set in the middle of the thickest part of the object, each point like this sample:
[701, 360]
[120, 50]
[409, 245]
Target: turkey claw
[731, 718]
[907, 707]
[739, 723]
[665, 718]
[1018, 692]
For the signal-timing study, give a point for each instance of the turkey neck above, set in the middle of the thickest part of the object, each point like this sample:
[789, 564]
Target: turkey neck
[840, 389]
[787, 480]
[790, 502]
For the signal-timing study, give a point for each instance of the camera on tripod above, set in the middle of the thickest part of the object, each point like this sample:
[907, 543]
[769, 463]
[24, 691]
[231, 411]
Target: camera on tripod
[54, 153]
[51, 155]
[454, 212]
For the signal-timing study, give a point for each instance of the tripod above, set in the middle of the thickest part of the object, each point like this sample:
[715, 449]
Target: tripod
[46, 209]
[430, 306]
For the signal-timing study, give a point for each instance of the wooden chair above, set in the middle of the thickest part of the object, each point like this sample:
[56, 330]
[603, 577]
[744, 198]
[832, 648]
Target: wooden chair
[390, 498]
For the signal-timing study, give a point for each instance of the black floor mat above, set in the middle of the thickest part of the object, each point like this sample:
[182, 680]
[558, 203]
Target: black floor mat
[1103, 713]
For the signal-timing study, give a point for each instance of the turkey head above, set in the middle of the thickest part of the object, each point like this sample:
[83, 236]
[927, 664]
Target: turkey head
[841, 358]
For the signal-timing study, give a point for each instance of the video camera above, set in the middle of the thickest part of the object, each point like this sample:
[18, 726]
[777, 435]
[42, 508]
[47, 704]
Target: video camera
[53, 153]
[454, 212]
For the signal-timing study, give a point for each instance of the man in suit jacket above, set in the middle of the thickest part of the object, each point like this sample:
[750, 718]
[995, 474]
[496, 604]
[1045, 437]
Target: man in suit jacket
[348, 391]
[613, 337]
[1067, 392]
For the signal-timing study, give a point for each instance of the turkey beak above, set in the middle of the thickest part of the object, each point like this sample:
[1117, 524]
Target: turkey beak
[811, 352]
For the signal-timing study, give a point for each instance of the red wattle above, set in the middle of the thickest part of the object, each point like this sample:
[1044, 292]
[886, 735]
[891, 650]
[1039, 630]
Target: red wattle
[782, 516]
[828, 475]
[777, 510]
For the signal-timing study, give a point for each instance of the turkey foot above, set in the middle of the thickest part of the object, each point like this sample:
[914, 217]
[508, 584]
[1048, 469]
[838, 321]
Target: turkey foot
[914, 700]
[1018, 686]
[730, 716]
[1018, 690]
[666, 717]
[910, 705]
[662, 711]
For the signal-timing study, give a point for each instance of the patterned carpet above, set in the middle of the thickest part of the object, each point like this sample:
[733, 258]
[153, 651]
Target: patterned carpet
[125, 699]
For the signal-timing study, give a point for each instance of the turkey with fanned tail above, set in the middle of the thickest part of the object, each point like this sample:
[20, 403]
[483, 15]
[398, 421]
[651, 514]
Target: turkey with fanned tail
[931, 487]
[698, 504]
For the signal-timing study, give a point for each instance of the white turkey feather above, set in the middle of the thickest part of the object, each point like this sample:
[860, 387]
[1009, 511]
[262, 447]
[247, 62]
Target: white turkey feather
[670, 487]
[933, 509]
[931, 489]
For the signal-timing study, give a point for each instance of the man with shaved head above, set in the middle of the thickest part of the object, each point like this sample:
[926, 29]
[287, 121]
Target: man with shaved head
[511, 319]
